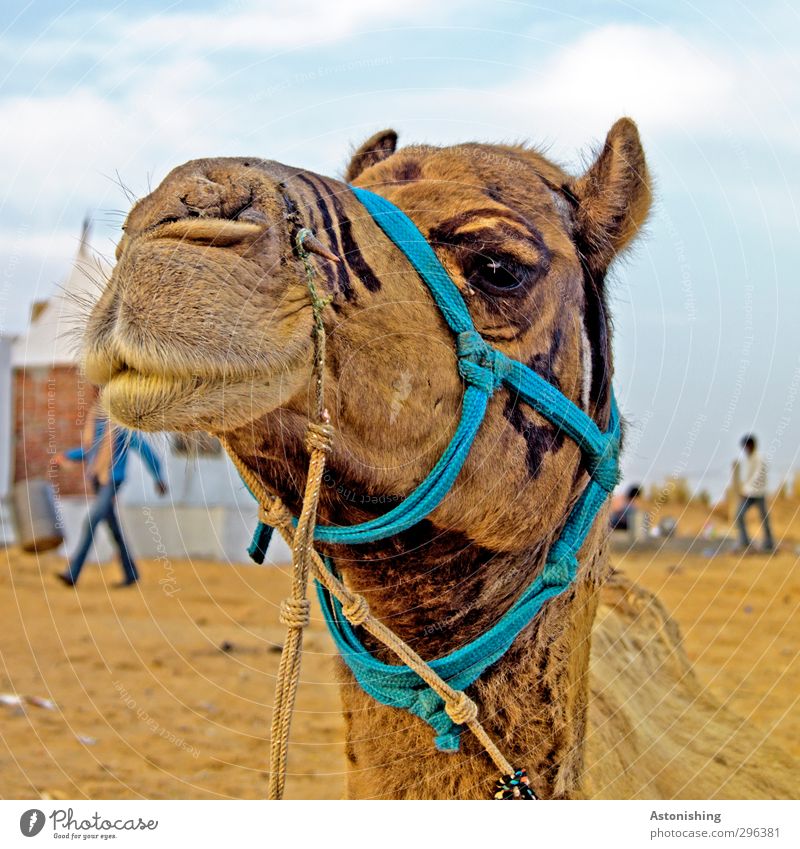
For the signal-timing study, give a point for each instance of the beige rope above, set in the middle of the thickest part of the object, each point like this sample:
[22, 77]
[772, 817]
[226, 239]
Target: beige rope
[460, 708]
[295, 610]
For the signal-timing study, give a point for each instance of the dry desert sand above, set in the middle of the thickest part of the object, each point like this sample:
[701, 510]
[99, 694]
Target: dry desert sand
[163, 691]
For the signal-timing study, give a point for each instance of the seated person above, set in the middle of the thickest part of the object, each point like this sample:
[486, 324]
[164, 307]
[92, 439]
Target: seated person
[623, 510]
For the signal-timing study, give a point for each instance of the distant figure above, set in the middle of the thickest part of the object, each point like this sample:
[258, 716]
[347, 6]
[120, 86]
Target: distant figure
[753, 491]
[105, 449]
[624, 511]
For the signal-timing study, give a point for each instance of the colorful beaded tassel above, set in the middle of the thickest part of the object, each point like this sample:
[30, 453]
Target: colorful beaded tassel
[516, 786]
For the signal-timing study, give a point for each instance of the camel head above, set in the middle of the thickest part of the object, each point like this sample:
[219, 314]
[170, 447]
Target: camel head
[206, 322]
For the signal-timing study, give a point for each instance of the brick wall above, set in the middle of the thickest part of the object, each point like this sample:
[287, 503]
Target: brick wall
[50, 406]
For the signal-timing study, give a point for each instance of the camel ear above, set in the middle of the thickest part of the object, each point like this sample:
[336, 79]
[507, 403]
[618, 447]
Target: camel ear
[613, 196]
[374, 150]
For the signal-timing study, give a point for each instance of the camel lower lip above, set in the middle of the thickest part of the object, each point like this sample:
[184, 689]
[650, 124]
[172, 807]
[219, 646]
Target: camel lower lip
[154, 402]
[131, 395]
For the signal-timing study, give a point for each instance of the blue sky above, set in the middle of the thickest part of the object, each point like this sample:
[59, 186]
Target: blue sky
[706, 307]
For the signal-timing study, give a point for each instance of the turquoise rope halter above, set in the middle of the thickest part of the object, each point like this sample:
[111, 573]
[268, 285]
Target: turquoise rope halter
[485, 370]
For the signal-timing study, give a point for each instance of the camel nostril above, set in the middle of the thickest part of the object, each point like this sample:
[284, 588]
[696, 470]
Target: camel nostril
[251, 215]
[168, 219]
[204, 196]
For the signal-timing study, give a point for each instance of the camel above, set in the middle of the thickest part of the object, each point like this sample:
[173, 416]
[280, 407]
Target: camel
[206, 324]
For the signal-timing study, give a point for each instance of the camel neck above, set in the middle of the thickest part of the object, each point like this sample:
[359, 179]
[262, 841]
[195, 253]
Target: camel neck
[533, 699]
[439, 591]
[436, 591]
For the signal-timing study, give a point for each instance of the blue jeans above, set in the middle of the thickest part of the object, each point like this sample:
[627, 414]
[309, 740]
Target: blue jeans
[744, 505]
[103, 511]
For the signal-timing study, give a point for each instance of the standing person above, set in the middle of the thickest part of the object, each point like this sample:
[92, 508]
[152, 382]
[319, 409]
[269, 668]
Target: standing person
[753, 492]
[105, 449]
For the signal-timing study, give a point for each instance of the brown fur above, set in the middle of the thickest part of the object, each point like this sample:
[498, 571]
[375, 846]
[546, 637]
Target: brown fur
[207, 323]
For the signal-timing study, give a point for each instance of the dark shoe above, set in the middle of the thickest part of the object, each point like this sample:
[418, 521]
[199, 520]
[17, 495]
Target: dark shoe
[66, 578]
[129, 582]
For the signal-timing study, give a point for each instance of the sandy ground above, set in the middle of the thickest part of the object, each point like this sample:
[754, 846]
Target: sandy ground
[163, 691]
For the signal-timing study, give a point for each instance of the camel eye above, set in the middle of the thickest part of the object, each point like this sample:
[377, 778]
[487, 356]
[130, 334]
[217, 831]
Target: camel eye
[497, 275]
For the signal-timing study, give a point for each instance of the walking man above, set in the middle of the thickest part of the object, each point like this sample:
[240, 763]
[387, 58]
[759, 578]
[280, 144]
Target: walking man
[105, 450]
[753, 492]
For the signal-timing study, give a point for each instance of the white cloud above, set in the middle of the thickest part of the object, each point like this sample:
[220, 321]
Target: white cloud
[66, 148]
[281, 24]
[653, 74]
[673, 86]
[162, 98]
[22, 244]
[240, 25]
[33, 260]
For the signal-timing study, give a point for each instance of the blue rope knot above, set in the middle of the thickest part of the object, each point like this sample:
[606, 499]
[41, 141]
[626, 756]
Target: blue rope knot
[427, 705]
[561, 566]
[479, 364]
[603, 467]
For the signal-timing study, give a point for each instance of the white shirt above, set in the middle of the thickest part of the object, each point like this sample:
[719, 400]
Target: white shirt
[754, 476]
